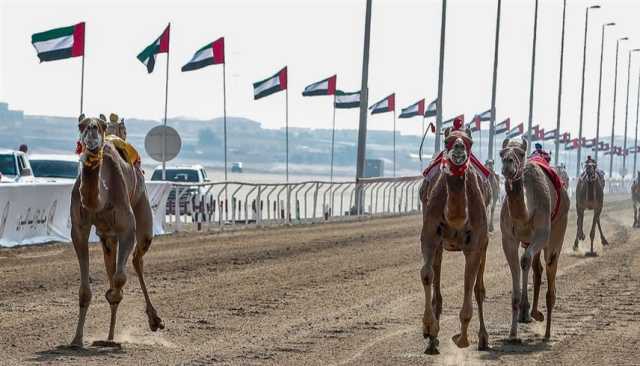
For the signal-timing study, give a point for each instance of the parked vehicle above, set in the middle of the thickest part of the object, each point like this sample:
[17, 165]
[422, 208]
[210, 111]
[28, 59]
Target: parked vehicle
[194, 174]
[236, 167]
[15, 167]
[55, 168]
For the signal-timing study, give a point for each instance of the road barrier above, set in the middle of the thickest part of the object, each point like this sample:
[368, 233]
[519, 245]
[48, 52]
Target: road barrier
[215, 205]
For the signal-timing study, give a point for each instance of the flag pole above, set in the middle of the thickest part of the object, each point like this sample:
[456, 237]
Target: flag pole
[82, 85]
[224, 108]
[333, 135]
[166, 103]
[288, 216]
[421, 164]
[394, 141]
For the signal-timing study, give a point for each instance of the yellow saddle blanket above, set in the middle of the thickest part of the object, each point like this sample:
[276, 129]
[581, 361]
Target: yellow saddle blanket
[128, 152]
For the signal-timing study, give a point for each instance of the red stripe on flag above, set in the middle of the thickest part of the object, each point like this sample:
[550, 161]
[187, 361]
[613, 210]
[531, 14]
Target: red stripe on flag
[218, 50]
[391, 104]
[164, 40]
[78, 40]
[421, 107]
[331, 87]
[282, 75]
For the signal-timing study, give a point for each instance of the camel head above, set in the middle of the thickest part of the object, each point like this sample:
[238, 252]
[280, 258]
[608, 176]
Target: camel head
[458, 146]
[590, 169]
[92, 132]
[513, 155]
[115, 126]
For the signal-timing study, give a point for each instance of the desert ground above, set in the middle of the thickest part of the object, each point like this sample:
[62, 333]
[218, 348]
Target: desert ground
[327, 294]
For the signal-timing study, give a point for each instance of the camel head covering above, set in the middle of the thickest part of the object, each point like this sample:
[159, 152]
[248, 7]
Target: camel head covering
[457, 144]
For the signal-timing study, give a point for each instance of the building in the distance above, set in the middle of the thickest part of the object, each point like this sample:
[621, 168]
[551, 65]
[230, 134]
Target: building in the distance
[10, 118]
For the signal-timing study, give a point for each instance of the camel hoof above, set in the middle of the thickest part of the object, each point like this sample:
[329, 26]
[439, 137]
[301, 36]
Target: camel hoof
[432, 348]
[537, 315]
[605, 243]
[524, 317]
[483, 342]
[575, 247]
[106, 344]
[155, 322]
[76, 344]
[460, 341]
[514, 341]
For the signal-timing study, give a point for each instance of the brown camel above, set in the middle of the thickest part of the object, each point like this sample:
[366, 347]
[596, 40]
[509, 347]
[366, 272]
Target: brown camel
[454, 218]
[635, 196]
[109, 194]
[494, 181]
[564, 176]
[534, 213]
[590, 196]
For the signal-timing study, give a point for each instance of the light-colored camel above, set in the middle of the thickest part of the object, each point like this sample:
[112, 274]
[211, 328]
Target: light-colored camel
[635, 196]
[534, 213]
[562, 172]
[494, 181]
[454, 218]
[590, 196]
[109, 194]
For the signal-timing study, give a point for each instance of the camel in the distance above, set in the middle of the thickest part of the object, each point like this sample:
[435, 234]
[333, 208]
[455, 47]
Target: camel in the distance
[109, 194]
[534, 213]
[454, 218]
[635, 196]
[494, 181]
[590, 196]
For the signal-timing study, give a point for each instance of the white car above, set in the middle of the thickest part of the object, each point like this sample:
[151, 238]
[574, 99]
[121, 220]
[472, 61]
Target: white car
[15, 167]
[194, 174]
[55, 168]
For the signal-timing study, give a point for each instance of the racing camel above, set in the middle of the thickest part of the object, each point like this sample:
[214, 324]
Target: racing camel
[494, 180]
[590, 196]
[454, 218]
[635, 196]
[109, 194]
[534, 214]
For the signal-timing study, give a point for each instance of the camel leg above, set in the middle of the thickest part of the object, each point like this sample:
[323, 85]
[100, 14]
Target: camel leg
[552, 267]
[480, 292]
[109, 250]
[493, 208]
[635, 214]
[510, 248]
[472, 264]
[144, 235]
[592, 233]
[537, 280]
[436, 302]
[430, 326]
[602, 238]
[80, 238]
[580, 232]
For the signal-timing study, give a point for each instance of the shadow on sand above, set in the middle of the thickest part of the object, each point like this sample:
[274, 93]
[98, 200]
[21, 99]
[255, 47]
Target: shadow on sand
[505, 347]
[64, 352]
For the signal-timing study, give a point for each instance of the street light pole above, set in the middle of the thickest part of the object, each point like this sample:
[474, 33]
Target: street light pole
[364, 98]
[492, 125]
[564, 13]
[600, 89]
[635, 144]
[626, 117]
[584, 64]
[615, 92]
[533, 71]
[443, 25]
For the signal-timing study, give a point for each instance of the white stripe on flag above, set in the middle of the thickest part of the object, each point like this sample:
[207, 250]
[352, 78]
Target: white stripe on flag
[204, 54]
[412, 109]
[318, 86]
[348, 98]
[381, 105]
[54, 44]
[268, 84]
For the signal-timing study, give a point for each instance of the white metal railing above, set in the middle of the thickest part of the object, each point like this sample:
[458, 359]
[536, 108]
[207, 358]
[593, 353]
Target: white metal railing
[213, 205]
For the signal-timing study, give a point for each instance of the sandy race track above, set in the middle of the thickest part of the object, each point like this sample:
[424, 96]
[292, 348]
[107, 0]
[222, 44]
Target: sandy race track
[331, 294]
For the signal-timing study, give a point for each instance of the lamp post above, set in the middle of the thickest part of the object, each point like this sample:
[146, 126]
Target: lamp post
[443, 27]
[584, 64]
[564, 13]
[635, 144]
[615, 90]
[626, 117]
[533, 70]
[600, 88]
[492, 123]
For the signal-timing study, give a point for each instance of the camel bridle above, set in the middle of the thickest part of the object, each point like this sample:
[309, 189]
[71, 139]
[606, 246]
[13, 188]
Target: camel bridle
[449, 165]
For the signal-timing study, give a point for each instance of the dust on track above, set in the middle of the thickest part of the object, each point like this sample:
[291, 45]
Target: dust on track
[337, 293]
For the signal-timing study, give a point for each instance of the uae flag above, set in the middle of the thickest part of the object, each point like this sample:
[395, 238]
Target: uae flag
[565, 138]
[416, 109]
[160, 45]
[387, 104]
[485, 116]
[59, 43]
[270, 85]
[503, 126]
[211, 54]
[516, 131]
[572, 145]
[432, 109]
[323, 87]
[474, 125]
[449, 122]
[347, 100]
[550, 135]
[602, 146]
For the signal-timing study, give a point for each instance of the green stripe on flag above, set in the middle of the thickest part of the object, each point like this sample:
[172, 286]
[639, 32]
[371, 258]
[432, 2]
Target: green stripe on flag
[149, 51]
[52, 34]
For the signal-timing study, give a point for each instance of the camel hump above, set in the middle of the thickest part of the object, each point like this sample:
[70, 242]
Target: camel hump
[125, 149]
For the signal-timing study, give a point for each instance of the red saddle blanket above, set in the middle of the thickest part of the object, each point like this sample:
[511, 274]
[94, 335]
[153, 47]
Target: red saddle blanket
[472, 158]
[553, 176]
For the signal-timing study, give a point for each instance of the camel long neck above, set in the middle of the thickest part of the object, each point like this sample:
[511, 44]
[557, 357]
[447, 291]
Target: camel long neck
[90, 191]
[456, 208]
[516, 201]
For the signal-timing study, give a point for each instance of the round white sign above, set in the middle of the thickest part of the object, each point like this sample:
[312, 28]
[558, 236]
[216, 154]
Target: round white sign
[155, 140]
